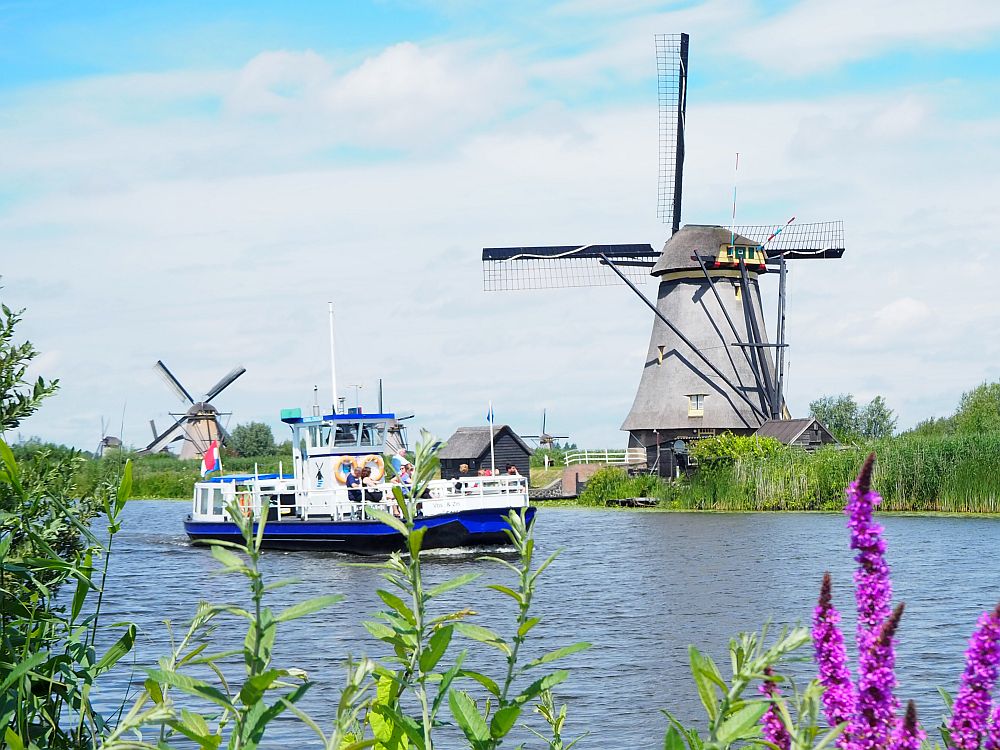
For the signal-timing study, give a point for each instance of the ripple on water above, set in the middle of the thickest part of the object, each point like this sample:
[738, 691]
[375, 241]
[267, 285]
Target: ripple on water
[639, 586]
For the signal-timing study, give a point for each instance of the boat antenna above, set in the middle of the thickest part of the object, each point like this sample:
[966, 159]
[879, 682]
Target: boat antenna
[315, 400]
[333, 361]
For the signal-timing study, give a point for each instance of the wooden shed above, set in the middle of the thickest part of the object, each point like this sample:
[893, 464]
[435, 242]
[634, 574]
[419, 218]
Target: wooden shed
[471, 445]
[808, 433]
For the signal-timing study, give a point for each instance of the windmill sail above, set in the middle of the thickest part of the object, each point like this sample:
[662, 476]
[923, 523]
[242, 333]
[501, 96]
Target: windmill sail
[516, 268]
[671, 69]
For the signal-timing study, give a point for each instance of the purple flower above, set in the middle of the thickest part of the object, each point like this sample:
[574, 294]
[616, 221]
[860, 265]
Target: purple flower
[875, 714]
[972, 706]
[909, 735]
[872, 585]
[772, 727]
[993, 734]
[831, 659]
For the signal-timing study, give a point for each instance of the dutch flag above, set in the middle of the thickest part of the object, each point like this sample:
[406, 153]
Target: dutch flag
[210, 461]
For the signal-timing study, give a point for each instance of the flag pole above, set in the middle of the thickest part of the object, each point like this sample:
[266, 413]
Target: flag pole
[493, 464]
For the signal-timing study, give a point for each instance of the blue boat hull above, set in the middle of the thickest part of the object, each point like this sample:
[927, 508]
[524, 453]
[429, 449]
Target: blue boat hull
[469, 528]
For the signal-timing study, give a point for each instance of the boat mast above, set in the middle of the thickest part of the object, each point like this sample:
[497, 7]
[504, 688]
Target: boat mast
[333, 362]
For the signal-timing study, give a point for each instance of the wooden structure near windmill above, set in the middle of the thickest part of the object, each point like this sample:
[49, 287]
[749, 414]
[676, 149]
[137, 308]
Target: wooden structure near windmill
[710, 366]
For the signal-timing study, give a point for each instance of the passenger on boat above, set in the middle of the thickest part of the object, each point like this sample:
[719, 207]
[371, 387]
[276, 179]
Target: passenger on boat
[353, 485]
[405, 475]
[398, 461]
[372, 492]
[512, 470]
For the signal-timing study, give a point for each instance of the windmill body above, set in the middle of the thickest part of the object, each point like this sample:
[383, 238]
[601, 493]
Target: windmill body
[679, 396]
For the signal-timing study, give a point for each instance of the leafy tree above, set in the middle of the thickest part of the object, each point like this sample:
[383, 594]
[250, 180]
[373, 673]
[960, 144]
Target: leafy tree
[840, 414]
[877, 420]
[979, 410]
[19, 399]
[847, 420]
[724, 449]
[252, 439]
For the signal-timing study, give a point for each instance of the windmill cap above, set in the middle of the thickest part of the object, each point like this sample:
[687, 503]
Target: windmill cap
[691, 239]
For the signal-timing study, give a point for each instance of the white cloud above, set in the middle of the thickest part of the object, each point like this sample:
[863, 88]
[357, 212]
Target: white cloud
[216, 236]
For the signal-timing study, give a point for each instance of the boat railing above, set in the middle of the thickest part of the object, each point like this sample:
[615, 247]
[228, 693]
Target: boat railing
[505, 484]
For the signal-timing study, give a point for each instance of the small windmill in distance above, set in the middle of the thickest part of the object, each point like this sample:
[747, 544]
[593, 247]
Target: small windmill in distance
[199, 426]
[107, 441]
[544, 439]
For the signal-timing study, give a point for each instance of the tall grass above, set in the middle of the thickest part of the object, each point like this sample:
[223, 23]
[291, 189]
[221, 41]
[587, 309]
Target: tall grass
[954, 473]
[612, 483]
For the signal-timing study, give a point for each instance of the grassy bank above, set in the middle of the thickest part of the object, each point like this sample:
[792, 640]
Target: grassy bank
[954, 474]
[162, 476]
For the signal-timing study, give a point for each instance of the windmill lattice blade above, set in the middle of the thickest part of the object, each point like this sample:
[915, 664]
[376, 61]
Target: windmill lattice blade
[823, 239]
[216, 389]
[515, 268]
[174, 383]
[671, 68]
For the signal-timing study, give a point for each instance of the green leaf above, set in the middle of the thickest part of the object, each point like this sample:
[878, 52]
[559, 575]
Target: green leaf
[483, 680]
[483, 635]
[124, 488]
[503, 721]
[388, 519]
[454, 583]
[191, 686]
[673, 740]
[705, 686]
[516, 596]
[436, 646]
[743, 724]
[308, 607]
[255, 687]
[12, 739]
[416, 540]
[397, 604]
[527, 625]
[229, 560]
[559, 653]
[539, 686]
[463, 708]
[21, 669]
[83, 587]
[120, 647]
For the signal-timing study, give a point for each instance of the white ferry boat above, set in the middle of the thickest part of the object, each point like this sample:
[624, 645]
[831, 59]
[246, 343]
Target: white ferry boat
[314, 509]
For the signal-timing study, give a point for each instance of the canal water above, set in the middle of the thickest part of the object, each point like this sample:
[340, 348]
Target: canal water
[639, 586]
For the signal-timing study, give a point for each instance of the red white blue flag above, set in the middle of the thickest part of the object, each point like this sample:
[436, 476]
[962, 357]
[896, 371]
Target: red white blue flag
[210, 461]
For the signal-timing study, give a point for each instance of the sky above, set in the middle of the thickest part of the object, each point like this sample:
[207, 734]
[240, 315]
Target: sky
[193, 182]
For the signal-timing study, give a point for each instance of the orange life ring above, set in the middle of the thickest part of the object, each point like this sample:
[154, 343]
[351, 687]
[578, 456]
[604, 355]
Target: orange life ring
[342, 463]
[378, 472]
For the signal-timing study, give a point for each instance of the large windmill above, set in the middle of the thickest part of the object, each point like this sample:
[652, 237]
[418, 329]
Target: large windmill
[709, 367]
[199, 425]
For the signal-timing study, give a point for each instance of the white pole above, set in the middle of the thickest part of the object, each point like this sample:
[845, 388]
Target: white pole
[333, 361]
[493, 463]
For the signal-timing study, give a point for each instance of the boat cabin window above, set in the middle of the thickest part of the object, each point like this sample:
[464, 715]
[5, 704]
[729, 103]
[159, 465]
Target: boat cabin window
[217, 501]
[347, 435]
[372, 435]
[203, 500]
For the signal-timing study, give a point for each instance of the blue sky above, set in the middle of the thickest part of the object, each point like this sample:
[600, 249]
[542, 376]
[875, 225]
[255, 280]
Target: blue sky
[172, 168]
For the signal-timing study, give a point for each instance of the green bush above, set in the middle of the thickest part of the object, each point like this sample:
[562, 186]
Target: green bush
[613, 483]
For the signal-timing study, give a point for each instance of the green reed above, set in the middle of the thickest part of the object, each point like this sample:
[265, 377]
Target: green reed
[955, 473]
